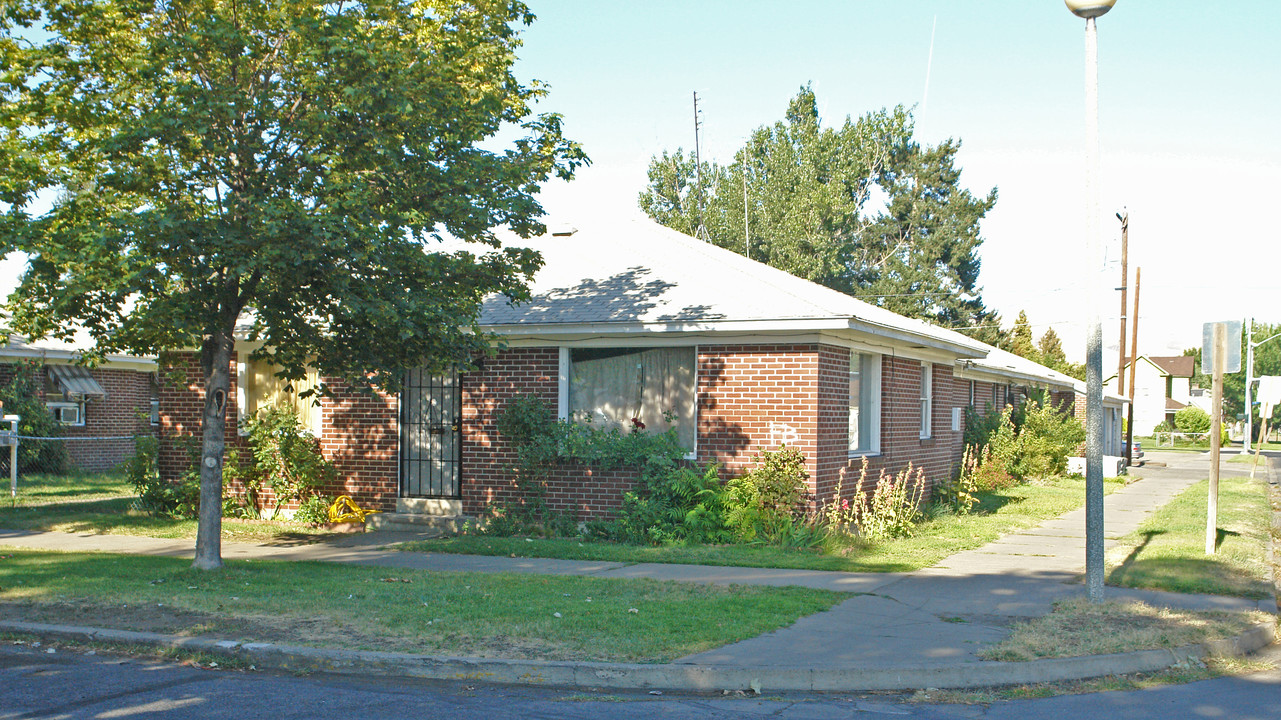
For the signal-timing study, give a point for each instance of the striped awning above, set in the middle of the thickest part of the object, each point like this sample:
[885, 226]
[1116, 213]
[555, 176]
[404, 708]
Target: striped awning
[75, 381]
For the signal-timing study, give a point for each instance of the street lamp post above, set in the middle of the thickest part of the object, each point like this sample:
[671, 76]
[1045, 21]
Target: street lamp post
[1090, 10]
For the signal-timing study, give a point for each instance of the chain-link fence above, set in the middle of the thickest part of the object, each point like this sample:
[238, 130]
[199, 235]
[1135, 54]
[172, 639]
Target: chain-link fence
[67, 468]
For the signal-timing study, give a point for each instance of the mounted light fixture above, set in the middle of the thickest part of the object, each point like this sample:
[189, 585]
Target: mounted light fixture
[1089, 8]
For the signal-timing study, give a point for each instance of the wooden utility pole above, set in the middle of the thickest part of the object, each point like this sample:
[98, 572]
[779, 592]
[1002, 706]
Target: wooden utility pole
[1134, 357]
[1125, 275]
[1216, 435]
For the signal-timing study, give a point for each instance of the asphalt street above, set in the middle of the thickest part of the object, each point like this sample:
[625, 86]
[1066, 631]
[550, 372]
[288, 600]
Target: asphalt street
[69, 683]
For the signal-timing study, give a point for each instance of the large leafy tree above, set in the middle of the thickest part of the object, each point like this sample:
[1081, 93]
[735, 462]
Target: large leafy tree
[177, 167]
[861, 207]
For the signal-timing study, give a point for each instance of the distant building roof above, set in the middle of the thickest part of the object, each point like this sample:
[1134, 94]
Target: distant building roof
[62, 352]
[1175, 366]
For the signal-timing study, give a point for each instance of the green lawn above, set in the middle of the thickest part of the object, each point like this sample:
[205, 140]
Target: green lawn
[100, 503]
[324, 604]
[998, 513]
[44, 489]
[1167, 552]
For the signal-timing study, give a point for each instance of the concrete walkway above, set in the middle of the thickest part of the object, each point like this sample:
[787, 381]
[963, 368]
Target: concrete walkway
[938, 617]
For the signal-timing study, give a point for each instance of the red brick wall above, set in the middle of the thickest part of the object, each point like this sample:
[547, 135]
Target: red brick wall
[360, 435]
[123, 413]
[750, 397]
[182, 401]
[755, 397]
[901, 441]
[358, 431]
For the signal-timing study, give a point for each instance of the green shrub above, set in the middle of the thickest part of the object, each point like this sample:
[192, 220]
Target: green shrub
[981, 426]
[764, 500]
[314, 510]
[1045, 440]
[682, 504]
[285, 458]
[22, 396]
[1192, 419]
[655, 511]
[179, 499]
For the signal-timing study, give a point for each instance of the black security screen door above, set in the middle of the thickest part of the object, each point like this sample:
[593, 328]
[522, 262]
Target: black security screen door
[430, 450]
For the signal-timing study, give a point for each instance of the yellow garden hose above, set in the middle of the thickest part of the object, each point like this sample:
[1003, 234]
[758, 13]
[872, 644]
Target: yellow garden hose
[345, 510]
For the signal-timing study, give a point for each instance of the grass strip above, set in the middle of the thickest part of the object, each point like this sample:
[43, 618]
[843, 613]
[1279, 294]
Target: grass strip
[997, 514]
[1167, 552]
[447, 613]
[45, 488]
[101, 504]
[1078, 627]
[1207, 669]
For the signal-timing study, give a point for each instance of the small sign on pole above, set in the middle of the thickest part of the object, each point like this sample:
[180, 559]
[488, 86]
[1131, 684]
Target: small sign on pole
[1231, 358]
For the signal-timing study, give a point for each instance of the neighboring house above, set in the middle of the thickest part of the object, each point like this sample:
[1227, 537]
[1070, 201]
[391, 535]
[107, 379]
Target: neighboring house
[100, 408]
[634, 320]
[1162, 387]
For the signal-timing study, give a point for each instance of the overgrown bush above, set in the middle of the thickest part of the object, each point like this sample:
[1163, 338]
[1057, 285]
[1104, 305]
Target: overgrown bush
[682, 504]
[981, 426]
[285, 458]
[22, 396]
[541, 442]
[763, 501]
[156, 496]
[1192, 419]
[1045, 440]
[1037, 446]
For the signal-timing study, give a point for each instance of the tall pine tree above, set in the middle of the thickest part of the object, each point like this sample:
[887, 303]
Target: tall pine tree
[862, 208]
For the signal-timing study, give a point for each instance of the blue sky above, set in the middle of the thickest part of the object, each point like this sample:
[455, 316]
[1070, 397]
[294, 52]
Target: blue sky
[1188, 99]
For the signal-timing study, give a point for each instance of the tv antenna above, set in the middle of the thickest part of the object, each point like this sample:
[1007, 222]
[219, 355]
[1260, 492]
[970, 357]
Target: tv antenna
[701, 231]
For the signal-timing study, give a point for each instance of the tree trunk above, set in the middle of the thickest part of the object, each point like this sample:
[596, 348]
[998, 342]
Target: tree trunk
[215, 362]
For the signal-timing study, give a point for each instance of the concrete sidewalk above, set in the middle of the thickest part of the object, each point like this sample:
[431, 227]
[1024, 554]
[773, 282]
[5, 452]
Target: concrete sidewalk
[898, 630]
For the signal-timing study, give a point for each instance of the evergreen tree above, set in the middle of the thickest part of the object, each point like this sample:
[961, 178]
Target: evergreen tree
[861, 207]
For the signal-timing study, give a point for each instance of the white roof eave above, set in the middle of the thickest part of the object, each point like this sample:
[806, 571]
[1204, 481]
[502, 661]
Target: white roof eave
[738, 327]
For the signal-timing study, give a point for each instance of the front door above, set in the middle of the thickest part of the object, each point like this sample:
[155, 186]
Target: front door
[430, 447]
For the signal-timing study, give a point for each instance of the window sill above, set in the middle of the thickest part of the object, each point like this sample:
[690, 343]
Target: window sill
[927, 442]
[864, 453]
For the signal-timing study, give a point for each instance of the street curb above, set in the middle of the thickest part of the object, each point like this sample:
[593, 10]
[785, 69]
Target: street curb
[632, 676]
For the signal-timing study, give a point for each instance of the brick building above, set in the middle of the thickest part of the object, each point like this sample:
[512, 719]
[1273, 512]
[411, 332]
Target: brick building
[101, 408]
[636, 321]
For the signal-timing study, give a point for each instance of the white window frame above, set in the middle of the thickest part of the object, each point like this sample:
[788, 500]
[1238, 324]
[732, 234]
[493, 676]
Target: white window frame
[927, 400]
[56, 406]
[869, 383]
[562, 390]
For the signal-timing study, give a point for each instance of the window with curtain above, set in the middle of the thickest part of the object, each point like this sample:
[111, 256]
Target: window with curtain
[624, 387]
[927, 400]
[864, 403]
[261, 388]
